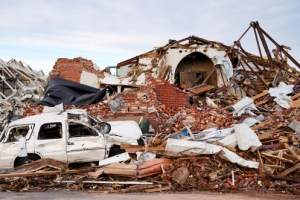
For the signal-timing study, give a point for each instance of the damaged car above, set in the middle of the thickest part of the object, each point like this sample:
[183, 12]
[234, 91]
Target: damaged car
[69, 136]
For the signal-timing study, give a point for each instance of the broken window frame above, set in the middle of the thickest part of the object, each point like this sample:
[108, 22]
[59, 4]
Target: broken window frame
[5, 137]
[42, 128]
[80, 131]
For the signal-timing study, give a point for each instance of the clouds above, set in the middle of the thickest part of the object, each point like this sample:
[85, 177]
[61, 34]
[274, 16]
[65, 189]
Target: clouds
[110, 32]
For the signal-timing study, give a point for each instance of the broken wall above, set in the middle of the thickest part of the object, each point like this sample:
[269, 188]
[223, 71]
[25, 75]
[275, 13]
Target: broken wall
[79, 70]
[199, 58]
[169, 95]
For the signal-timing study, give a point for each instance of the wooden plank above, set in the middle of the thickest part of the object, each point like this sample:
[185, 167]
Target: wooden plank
[158, 189]
[295, 96]
[274, 166]
[262, 172]
[261, 102]
[190, 132]
[291, 151]
[201, 89]
[277, 151]
[266, 134]
[42, 163]
[289, 157]
[134, 148]
[232, 99]
[260, 95]
[227, 107]
[262, 124]
[44, 173]
[223, 145]
[290, 170]
[277, 157]
[295, 103]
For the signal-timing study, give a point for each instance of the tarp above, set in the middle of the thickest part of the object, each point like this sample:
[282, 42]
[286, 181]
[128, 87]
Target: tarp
[70, 93]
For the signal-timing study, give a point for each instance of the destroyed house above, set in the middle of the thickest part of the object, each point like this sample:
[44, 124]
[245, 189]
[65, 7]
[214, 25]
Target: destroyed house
[19, 84]
[202, 66]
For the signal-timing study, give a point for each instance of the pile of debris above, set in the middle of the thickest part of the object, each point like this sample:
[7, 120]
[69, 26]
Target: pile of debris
[225, 124]
[19, 85]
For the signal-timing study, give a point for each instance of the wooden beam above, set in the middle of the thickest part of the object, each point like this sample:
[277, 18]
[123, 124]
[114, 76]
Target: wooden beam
[262, 124]
[158, 189]
[295, 103]
[44, 173]
[277, 157]
[264, 93]
[291, 151]
[290, 170]
[295, 96]
[134, 148]
[262, 172]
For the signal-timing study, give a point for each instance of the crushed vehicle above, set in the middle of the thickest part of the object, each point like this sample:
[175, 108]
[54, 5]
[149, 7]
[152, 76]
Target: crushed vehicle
[69, 136]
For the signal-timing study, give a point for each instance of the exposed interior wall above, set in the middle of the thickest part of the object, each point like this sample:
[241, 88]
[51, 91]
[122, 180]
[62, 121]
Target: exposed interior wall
[203, 57]
[196, 62]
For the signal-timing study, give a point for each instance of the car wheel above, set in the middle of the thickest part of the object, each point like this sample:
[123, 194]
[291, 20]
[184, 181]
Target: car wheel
[28, 159]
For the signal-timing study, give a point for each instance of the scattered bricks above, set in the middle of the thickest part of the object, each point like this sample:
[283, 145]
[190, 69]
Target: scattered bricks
[180, 175]
[167, 94]
[214, 187]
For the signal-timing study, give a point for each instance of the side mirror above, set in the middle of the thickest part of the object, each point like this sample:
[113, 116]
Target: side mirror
[104, 127]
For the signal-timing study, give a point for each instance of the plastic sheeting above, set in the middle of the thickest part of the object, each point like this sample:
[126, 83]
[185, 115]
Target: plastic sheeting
[244, 104]
[187, 148]
[212, 134]
[57, 108]
[70, 93]
[283, 100]
[118, 158]
[226, 66]
[126, 129]
[285, 89]
[250, 121]
[144, 156]
[246, 137]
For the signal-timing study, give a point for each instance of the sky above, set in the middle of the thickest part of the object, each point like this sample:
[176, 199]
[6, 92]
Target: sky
[38, 32]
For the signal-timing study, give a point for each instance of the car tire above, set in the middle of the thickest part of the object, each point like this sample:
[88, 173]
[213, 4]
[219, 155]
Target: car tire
[28, 159]
[115, 150]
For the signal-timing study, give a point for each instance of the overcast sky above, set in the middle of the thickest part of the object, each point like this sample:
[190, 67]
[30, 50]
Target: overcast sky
[108, 32]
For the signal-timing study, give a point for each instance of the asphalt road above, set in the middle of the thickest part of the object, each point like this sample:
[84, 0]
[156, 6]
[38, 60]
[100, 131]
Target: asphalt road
[64, 195]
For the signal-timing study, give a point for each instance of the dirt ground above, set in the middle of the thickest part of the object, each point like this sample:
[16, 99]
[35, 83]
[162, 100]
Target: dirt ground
[145, 196]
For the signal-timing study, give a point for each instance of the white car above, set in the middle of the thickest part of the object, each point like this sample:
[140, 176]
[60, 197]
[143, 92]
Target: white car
[68, 136]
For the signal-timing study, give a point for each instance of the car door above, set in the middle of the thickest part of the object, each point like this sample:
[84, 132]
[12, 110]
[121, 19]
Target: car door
[84, 144]
[50, 142]
[9, 146]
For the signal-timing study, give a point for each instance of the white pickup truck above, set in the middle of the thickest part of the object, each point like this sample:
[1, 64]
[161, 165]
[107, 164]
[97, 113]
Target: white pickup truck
[69, 136]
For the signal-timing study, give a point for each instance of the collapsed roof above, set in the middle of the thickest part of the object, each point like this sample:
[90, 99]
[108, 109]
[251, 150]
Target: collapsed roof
[201, 65]
[19, 84]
